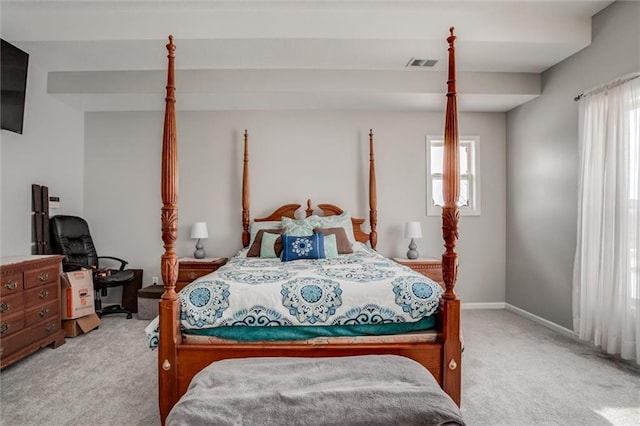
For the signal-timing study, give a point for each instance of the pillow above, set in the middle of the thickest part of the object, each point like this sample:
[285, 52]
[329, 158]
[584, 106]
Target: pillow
[342, 220]
[254, 251]
[330, 246]
[268, 246]
[302, 247]
[300, 227]
[257, 226]
[342, 243]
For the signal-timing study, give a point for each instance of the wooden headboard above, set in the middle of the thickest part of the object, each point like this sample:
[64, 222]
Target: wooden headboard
[289, 210]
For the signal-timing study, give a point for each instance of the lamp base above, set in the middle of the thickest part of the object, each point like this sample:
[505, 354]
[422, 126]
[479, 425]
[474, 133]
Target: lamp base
[412, 253]
[199, 253]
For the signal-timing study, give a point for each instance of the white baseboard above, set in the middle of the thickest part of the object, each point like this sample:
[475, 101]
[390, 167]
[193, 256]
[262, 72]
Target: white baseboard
[492, 305]
[502, 305]
[552, 325]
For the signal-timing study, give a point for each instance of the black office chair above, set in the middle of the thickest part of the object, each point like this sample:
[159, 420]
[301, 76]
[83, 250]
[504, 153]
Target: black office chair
[70, 237]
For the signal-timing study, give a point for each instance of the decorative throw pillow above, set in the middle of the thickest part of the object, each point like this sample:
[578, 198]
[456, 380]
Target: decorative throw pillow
[343, 244]
[300, 227]
[256, 246]
[330, 246]
[268, 246]
[302, 247]
[342, 220]
[255, 227]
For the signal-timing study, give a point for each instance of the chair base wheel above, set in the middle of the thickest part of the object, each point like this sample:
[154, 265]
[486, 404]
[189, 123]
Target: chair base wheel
[114, 309]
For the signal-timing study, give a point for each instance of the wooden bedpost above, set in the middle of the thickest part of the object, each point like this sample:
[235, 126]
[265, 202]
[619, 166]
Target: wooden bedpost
[169, 307]
[245, 192]
[373, 198]
[450, 216]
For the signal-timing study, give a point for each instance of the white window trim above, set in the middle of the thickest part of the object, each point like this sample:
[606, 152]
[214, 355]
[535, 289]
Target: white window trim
[474, 208]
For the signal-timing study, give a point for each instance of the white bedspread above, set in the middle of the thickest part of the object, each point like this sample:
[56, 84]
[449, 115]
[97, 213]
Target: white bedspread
[362, 288]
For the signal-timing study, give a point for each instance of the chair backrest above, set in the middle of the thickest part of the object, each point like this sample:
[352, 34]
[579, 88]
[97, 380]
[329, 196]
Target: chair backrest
[70, 237]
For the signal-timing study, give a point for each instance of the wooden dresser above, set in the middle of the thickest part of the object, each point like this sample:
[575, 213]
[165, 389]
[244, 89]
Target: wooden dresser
[29, 306]
[189, 269]
[429, 267]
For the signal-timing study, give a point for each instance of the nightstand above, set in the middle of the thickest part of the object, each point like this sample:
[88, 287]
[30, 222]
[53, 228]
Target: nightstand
[429, 267]
[189, 269]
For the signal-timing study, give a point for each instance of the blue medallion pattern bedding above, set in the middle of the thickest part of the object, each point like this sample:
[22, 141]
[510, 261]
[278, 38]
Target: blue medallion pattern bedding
[360, 293]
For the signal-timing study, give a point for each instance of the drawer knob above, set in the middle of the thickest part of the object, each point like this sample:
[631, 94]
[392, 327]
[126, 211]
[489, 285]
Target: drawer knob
[43, 276]
[49, 328]
[44, 312]
[4, 307]
[11, 285]
[43, 294]
[192, 275]
[4, 328]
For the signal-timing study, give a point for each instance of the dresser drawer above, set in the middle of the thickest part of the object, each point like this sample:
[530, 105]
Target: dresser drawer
[40, 295]
[191, 269]
[41, 313]
[17, 341]
[189, 275]
[40, 277]
[11, 304]
[11, 284]
[29, 305]
[11, 324]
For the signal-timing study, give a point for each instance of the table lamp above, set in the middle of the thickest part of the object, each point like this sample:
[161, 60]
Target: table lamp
[412, 230]
[199, 231]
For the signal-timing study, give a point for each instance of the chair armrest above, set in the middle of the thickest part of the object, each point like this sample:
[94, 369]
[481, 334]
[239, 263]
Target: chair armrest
[123, 263]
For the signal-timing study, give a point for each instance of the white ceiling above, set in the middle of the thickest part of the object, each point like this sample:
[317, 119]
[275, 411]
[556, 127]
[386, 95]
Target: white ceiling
[295, 54]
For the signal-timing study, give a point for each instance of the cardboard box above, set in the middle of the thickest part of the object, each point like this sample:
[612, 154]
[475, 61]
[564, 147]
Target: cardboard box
[75, 327]
[77, 294]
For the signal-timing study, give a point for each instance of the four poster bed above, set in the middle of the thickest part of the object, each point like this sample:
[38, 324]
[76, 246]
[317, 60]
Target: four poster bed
[184, 353]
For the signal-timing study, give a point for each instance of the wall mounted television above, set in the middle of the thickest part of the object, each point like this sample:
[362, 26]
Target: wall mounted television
[13, 86]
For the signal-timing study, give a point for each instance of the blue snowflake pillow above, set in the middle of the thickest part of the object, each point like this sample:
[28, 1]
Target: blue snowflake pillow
[307, 247]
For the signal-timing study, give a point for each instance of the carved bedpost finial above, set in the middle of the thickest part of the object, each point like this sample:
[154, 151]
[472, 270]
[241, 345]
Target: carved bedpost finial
[171, 48]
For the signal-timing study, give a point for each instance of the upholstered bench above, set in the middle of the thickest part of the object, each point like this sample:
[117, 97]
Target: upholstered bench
[357, 390]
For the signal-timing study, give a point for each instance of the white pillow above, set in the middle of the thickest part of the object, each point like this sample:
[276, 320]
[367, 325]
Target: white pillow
[256, 226]
[342, 220]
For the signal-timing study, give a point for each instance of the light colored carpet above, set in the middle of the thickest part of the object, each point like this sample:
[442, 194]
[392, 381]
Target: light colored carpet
[515, 372]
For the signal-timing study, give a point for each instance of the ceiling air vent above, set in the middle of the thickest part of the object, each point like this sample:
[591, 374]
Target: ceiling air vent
[415, 62]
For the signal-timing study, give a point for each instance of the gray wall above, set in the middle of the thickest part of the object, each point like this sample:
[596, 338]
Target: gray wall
[49, 152]
[294, 155]
[542, 166]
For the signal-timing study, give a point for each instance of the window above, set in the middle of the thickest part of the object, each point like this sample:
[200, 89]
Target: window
[469, 200]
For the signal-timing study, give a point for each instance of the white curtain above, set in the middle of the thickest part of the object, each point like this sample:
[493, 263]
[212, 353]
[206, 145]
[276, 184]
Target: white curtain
[606, 281]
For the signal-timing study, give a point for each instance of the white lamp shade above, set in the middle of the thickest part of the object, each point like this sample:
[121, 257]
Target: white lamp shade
[412, 230]
[199, 230]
